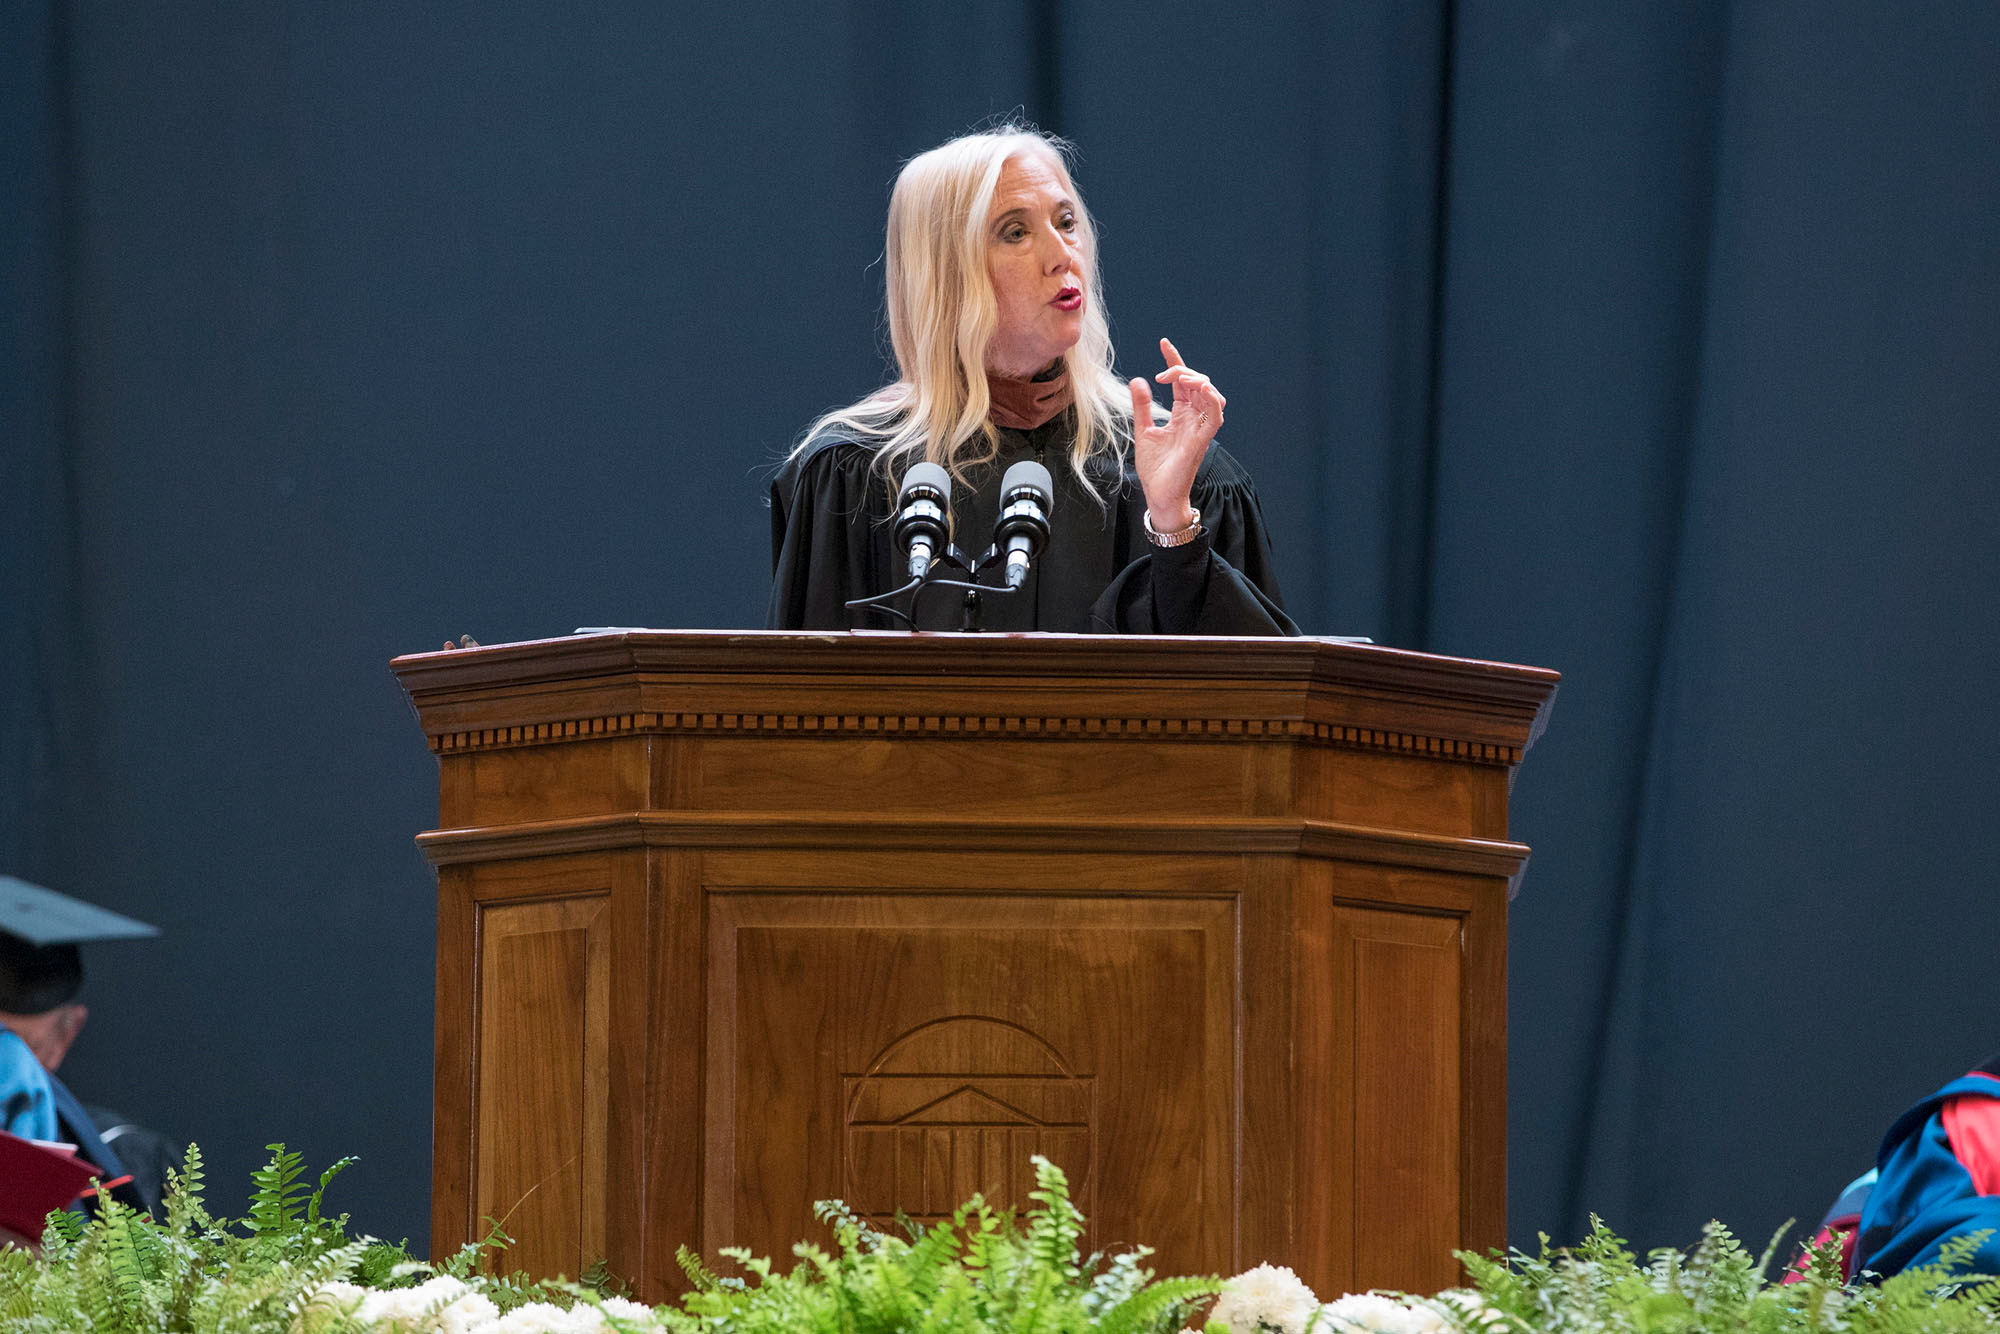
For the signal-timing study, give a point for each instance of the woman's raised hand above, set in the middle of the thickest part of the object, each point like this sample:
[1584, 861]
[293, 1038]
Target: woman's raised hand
[1168, 454]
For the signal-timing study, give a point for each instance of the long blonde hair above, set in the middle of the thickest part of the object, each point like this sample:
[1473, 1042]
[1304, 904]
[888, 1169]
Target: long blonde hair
[942, 316]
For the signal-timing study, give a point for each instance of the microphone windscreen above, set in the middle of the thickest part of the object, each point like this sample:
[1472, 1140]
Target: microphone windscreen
[927, 475]
[1032, 475]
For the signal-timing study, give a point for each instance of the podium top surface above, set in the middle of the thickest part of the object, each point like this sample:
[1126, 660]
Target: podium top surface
[1131, 676]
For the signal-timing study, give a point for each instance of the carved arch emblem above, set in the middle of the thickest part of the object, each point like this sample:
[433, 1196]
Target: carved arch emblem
[957, 1106]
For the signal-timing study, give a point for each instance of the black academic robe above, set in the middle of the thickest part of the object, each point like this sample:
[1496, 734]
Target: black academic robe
[75, 1125]
[831, 541]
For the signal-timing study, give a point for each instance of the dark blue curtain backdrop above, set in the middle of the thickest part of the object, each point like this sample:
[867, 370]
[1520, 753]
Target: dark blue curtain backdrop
[1657, 344]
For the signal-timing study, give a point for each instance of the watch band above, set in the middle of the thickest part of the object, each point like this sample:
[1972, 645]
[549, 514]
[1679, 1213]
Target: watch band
[1178, 538]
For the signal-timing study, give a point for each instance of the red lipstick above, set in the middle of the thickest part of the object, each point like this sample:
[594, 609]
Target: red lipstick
[1070, 298]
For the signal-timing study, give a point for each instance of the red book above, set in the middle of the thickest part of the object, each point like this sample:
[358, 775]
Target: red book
[35, 1178]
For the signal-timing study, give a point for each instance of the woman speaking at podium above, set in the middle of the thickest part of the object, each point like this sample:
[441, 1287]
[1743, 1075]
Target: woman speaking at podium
[1003, 354]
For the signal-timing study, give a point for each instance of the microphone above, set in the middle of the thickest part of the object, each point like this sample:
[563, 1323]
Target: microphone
[1027, 495]
[923, 510]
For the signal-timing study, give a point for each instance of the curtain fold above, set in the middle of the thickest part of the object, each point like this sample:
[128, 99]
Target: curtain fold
[47, 740]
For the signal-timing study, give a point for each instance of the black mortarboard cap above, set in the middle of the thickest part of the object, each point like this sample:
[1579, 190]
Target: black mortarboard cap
[40, 966]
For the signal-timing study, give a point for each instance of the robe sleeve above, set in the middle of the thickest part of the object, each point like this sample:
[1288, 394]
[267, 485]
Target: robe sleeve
[825, 544]
[1925, 1198]
[1222, 583]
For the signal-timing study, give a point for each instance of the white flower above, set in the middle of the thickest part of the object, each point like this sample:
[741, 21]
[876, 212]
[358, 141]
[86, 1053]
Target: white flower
[542, 1318]
[327, 1301]
[632, 1313]
[1466, 1309]
[401, 1310]
[1373, 1313]
[1266, 1298]
[1426, 1320]
[469, 1313]
[337, 1295]
[439, 1306]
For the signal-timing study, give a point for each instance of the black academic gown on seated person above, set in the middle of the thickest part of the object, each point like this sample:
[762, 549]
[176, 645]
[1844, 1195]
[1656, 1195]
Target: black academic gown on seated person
[75, 1125]
[831, 541]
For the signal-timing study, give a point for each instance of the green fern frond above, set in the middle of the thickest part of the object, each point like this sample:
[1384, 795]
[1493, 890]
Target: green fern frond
[698, 1274]
[1771, 1250]
[1118, 1280]
[465, 1260]
[183, 1194]
[61, 1232]
[936, 1246]
[836, 1215]
[1158, 1309]
[1054, 1228]
[308, 1278]
[755, 1265]
[120, 1254]
[385, 1265]
[597, 1280]
[275, 1203]
[319, 1191]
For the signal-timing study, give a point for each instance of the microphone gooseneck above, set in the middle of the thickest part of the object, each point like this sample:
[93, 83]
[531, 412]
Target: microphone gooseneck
[1027, 497]
[923, 514]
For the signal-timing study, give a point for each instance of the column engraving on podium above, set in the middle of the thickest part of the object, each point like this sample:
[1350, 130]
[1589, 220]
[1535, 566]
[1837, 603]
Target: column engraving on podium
[958, 1106]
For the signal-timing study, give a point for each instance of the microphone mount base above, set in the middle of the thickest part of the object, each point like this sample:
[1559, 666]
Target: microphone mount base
[954, 559]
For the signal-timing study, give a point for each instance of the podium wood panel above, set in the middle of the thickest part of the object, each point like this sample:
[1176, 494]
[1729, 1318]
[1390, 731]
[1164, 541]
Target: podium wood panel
[940, 1038]
[544, 975]
[730, 923]
[1400, 1026]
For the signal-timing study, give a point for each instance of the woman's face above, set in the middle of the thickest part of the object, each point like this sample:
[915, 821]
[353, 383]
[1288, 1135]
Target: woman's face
[1034, 255]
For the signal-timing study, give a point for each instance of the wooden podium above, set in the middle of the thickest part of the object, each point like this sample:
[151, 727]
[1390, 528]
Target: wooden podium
[729, 923]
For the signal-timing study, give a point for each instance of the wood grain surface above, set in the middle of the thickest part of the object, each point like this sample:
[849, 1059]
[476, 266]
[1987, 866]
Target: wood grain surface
[730, 923]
